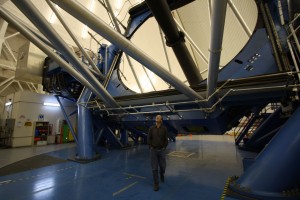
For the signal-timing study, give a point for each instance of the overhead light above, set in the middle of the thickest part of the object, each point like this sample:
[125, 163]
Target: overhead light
[51, 104]
[8, 104]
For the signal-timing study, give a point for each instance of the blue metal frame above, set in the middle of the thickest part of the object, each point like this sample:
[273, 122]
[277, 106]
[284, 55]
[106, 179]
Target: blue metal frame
[67, 119]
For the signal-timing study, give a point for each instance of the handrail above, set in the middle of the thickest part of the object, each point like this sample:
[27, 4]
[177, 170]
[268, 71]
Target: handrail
[205, 109]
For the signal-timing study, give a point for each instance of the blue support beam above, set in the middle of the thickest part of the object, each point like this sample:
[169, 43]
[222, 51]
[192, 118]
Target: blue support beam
[67, 119]
[124, 136]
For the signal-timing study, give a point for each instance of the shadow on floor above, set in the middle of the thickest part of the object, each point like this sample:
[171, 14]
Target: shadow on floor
[34, 162]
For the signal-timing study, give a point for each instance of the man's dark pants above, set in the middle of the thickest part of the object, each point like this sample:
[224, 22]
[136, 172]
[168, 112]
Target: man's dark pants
[158, 158]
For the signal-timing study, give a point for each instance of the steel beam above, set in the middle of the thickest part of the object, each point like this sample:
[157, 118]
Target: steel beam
[82, 14]
[217, 30]
[6, 86]
[38, 19]
[175, 39]
[200, 53]
[7, 80]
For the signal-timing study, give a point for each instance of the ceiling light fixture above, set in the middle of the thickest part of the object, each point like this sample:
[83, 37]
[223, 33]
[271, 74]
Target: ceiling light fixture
[51, 104]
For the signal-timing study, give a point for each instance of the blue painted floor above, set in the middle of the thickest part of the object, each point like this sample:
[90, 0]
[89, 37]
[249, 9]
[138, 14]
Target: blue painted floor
[197, 168]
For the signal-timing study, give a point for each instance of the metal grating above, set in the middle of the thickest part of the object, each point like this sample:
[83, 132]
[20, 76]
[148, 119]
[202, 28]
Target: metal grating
[180, 154]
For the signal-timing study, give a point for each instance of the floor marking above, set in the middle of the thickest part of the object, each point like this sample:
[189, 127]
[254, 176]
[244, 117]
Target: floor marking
[4, 182]
[134, 175]
[180, 154]
[28, 178]
[125, 188]
[190, 154]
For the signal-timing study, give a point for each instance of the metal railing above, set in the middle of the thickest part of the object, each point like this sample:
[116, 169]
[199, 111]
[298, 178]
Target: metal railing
[168, 107]
[295, 51]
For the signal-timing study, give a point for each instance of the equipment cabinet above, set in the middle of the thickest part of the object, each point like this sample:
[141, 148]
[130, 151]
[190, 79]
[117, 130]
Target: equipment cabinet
[41, 132]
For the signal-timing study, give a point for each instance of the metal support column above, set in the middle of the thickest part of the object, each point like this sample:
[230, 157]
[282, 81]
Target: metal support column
[217, 30]
[124, 136]
[85, 128]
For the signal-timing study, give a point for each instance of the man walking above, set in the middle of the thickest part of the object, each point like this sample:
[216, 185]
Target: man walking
[158, 141]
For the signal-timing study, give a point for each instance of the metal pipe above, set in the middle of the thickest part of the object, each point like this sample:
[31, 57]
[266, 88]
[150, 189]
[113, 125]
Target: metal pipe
[165, 49]
[240, 18]
[175, 39]
[6, 86]
[30, 36]
[279, 6]
[58, 15]
[294, 31]
[281, 54]
[99, 26]
[200, 53]
[5, 43]
[34, 87]
[294, 36]
[149, 78]
[205, 100]
[134, 74]
[271, 36]
[7, 80]
[115, 22]
[67, 119]
[217, 31]
[110, 11]
[111, 70]
[20, 85]
[12, 35]
[38, 19]
[293, 57]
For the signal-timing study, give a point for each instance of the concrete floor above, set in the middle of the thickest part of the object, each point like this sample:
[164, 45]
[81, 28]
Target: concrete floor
[197, 168]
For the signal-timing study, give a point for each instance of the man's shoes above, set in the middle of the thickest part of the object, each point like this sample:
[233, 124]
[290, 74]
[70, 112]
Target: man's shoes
[162, 178]
[155, 187]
